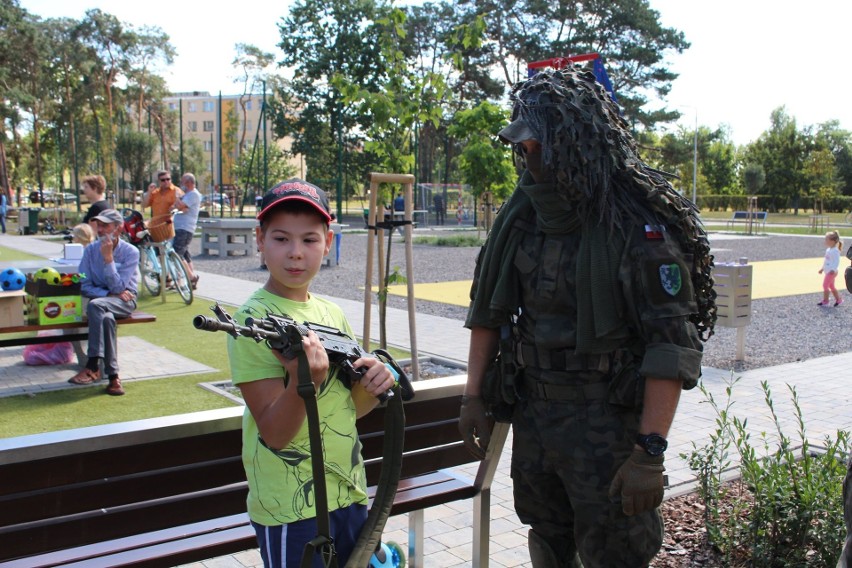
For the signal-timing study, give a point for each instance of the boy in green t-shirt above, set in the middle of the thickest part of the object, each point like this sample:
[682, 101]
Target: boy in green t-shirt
[294, 237]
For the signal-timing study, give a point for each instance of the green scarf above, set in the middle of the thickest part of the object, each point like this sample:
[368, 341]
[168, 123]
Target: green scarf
[495, 293]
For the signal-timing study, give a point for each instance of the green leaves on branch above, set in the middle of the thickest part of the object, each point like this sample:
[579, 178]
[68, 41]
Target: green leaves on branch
[784, 510]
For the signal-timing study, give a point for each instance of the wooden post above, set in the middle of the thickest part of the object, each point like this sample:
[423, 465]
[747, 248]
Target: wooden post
[407, 180]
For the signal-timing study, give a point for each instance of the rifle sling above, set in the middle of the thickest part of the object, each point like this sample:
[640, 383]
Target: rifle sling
[323, 541]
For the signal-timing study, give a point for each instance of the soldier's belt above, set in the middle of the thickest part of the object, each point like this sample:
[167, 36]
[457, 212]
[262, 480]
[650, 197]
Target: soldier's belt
[565, 393]
[561, 359]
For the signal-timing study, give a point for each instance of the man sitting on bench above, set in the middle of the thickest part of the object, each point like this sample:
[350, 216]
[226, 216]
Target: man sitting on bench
[110, 268]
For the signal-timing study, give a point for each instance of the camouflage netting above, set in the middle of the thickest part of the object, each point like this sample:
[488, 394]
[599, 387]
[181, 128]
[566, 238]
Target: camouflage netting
[588, 146]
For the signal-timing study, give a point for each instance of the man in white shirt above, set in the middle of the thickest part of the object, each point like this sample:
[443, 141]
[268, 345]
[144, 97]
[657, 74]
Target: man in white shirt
[185, 223]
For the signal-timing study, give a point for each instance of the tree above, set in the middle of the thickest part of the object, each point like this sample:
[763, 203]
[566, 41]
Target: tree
[485, 163]
[781, 152]
[321, 38]
[134, 153]
[249, 168]
[252, 62]
[627, 33]
[398, 101]
[839, 142]
[753, 178]
[821, 172]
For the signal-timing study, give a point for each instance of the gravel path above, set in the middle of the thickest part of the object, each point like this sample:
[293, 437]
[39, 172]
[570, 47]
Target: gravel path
[782, 330]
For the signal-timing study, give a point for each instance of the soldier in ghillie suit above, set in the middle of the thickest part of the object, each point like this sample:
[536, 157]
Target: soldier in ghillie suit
[595, 281]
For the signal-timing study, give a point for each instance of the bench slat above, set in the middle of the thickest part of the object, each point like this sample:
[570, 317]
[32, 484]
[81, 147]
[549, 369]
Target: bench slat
[83, 334]
[181, 498]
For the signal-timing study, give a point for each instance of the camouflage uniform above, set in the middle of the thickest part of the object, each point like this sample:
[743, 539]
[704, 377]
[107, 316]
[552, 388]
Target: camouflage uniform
[579, 415]
[607, 270]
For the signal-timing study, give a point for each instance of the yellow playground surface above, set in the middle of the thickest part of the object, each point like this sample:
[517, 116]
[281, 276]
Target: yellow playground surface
[770, 279]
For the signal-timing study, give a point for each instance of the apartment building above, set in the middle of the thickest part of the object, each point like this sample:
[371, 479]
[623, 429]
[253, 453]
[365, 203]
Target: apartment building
[222, 121]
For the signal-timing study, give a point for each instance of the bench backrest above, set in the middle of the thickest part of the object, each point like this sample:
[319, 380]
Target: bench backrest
[64, 489]
[759, 215]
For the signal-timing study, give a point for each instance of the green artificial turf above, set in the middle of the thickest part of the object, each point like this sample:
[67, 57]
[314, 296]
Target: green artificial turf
[78, 407]
[173, 330]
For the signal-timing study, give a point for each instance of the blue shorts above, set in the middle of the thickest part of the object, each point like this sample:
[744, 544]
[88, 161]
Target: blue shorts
[282, 546]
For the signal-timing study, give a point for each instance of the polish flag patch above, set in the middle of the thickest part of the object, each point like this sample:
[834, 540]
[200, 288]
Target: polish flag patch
[654, 232]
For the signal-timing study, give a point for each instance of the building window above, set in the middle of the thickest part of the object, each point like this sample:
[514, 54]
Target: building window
[209, 165]
[190, 107]
[248, 104]
[172, 106]
[208, 126]
[208, 146]
[208, 106]
[193, 126]
[248, 127]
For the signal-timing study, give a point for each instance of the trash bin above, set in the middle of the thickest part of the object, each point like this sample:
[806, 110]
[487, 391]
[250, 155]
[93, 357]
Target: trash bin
[28, 220]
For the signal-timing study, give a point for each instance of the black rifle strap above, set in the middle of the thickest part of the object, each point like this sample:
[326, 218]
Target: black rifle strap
[323, 541]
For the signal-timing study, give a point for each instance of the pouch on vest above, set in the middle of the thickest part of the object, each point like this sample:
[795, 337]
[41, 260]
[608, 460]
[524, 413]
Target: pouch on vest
[501, 378]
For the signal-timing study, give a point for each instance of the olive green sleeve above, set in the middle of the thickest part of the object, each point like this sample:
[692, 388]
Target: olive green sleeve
[670, 361]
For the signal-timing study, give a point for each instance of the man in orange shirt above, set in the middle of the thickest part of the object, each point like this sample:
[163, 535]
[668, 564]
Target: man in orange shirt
[162, 199]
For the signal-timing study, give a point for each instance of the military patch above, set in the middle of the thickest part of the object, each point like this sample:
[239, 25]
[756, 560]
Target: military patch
[671, 279]
[654, 232]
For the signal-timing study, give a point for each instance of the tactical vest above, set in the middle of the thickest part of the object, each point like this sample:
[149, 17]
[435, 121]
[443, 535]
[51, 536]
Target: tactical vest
[546, 327]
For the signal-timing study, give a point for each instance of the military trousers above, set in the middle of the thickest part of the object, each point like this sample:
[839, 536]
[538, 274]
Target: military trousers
[565, 454]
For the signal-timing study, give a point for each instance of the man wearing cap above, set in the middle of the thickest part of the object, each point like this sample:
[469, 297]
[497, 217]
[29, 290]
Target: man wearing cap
[110, 265]
[595, 283]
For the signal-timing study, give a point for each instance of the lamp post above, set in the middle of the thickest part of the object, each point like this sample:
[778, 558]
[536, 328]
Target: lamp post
[694, 152]
[695, 158]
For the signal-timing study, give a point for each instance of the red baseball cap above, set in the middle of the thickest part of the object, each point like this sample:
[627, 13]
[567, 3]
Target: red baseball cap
[295, 189]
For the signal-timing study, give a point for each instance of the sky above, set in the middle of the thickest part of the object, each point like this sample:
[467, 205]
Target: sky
[747, 57]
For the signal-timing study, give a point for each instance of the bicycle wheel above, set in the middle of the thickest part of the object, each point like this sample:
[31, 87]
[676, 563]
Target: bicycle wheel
[149, 269]
[180, 278]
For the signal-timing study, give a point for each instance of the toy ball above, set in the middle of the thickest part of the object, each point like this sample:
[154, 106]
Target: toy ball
[12, 279]
[49, 275]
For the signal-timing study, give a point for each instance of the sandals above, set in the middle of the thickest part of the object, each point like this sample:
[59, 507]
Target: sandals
[85, 377]
[194, 281]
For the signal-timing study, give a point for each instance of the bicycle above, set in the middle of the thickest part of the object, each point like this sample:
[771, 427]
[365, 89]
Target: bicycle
[150, 269]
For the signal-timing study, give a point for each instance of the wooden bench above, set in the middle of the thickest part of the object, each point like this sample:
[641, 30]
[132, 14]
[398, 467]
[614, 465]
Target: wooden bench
[757, 217]
[167, 491]
[76, 331]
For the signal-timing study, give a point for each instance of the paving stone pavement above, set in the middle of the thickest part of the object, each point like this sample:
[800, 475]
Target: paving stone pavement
[823, 397]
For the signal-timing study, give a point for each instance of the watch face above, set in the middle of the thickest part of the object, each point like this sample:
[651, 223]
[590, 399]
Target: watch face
[654, 444]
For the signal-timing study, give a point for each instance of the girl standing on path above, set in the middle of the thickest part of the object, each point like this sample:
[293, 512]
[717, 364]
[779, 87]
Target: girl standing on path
[830, 267]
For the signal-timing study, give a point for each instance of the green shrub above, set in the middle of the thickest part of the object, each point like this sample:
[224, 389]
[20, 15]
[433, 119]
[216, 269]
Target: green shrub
[788, 506]
[450, 241]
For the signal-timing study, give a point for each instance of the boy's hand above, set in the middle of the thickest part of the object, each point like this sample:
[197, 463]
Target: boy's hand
[317, 361]
[377, 377]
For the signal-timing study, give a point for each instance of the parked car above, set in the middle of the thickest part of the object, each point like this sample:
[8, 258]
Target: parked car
[215, 199]
[49, 196]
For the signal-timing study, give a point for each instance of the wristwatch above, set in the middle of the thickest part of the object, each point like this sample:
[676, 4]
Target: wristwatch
[653, 444]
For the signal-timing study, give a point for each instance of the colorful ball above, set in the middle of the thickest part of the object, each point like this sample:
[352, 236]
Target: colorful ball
[12, 279]
[49, 275]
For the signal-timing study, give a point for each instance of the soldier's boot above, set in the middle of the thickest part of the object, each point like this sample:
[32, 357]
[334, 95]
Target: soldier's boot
[542, 554]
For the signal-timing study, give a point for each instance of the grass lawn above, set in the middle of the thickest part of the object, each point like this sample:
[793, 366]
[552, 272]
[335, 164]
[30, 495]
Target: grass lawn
[74, 408]
[10, 255]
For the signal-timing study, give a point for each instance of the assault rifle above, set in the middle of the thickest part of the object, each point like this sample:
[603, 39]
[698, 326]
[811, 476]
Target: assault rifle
[282, 334]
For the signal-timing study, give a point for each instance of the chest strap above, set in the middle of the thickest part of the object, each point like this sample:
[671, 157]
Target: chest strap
[561, 359]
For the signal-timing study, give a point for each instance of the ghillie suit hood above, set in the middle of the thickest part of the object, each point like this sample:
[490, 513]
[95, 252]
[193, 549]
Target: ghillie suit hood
[596, 168]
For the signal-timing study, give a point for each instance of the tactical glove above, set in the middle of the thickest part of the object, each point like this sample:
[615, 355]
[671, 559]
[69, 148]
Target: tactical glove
[474, 425]
[640, 483]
